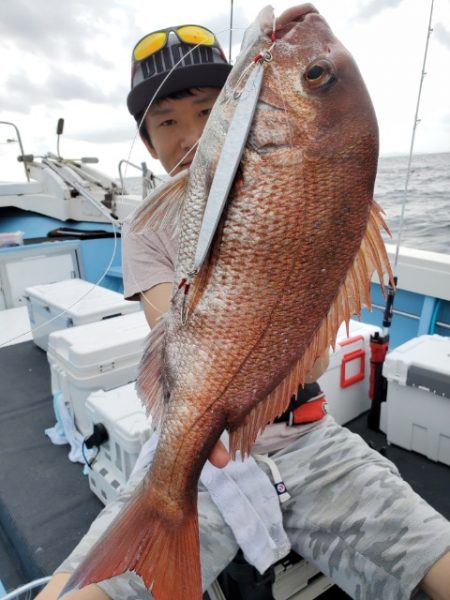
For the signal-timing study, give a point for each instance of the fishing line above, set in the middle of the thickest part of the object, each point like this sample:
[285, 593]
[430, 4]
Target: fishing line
[251, 64]
[113, 223]
[27, 587]
[142, 297]
[413, 135]
[156, 93]
[285, 109]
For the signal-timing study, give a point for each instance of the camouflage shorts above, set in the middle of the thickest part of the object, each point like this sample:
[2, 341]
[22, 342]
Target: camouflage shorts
[350, 514]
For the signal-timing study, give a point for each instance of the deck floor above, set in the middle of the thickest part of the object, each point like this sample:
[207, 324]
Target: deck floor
[45, 501]
[15, 326]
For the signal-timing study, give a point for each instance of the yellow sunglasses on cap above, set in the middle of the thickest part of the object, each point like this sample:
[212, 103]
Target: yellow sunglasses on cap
[189, 34]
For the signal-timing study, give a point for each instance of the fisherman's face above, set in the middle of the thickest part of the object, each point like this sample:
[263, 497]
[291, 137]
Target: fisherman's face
[175, 125]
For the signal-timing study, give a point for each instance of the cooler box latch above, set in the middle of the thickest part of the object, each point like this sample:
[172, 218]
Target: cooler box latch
[348, 375]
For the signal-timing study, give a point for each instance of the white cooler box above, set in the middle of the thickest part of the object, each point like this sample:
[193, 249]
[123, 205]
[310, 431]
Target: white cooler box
[63, 304]
[418, 398]
[97, 356]
[346, 381]
[123, 415]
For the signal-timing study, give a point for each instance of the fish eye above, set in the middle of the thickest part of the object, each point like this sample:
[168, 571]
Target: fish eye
[315, 72]
[319, 73]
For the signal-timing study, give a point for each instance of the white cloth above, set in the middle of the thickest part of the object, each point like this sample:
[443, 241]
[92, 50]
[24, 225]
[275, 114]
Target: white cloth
[65, 431]
[242, 492]
[248, 502]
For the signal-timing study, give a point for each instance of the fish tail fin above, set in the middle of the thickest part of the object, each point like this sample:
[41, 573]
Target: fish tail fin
[160, 545]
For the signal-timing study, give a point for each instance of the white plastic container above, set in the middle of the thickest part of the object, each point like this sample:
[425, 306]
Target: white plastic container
[71, 302]
[97, 356]
[418, 398]
[346, 381]
[292, 581]
[11, 238]
[128, 427]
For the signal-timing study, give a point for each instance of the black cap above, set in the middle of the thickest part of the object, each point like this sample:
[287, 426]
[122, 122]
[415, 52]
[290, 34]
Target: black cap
[201, 66]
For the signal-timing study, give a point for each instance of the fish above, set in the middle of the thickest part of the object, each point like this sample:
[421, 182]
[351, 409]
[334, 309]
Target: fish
[292, 258]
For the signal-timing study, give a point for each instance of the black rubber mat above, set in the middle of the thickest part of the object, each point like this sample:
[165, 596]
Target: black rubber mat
[45, 501]
[429, 479]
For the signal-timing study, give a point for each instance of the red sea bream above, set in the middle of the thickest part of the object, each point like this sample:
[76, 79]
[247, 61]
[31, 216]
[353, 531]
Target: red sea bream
[292, 259]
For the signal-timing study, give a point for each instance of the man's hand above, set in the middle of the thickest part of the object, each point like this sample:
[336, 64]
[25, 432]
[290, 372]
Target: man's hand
[219, 456]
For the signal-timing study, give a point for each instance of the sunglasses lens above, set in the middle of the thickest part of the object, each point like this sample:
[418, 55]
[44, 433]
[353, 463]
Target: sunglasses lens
[149, 45]
[193, 34]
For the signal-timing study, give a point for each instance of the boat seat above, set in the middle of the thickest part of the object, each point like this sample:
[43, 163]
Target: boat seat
[14, 188]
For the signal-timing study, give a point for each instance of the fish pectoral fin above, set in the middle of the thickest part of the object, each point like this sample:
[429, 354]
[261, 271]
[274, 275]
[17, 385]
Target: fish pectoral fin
[161, 546]
[162, 208]
[352, 296]
[150, 385]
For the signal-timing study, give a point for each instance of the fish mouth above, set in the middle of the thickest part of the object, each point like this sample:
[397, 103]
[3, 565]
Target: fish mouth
[290, 17]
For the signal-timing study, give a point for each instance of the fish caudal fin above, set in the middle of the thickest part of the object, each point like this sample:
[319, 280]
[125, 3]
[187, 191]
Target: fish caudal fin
[161, 546]
[353, 295]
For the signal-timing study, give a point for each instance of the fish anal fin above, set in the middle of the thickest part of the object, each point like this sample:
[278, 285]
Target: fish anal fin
[273, 405]
[353, 294]
[162, 549]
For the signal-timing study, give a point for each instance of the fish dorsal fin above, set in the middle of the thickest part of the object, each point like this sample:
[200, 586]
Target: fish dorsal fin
[151, 385]
[162, 208]
[352, 295]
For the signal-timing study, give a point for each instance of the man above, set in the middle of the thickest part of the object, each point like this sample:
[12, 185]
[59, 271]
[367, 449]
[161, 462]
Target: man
[349, 511]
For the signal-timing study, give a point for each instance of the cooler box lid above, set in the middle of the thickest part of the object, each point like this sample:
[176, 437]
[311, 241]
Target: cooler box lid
[355, 328]
[422, 362]
[80, 299]
[344, 343]
[121, 410]
[88, 347]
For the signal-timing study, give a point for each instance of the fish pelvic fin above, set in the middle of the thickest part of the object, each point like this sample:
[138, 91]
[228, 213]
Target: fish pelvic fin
[159, 544]
[161, 210]
[352, 296]
[151, 385]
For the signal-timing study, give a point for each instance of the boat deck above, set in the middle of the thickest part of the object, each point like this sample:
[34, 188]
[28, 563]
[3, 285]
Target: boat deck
[45, 501]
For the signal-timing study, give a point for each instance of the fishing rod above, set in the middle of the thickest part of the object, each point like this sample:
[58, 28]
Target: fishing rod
[230, 43]
[379, 344]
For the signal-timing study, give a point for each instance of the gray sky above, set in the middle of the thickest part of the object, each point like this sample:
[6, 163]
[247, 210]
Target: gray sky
[71, 59]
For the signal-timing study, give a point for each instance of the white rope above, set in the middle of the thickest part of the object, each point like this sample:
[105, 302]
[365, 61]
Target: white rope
[25, 588]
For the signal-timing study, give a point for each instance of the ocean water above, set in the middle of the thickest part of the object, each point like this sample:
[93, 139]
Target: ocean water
[427, 210]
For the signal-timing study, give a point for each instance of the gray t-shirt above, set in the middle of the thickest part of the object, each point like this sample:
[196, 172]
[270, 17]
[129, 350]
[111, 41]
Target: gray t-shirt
[148, 258]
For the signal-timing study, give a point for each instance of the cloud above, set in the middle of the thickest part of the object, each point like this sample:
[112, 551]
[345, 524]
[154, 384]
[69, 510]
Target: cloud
[220, 24]
[21, 93]
[110, 135]
[54, 28]
[370, 8]
[442, 34]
